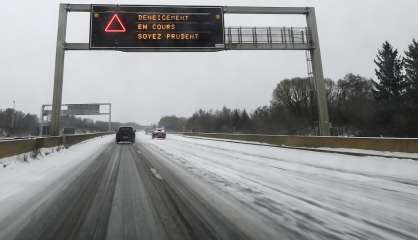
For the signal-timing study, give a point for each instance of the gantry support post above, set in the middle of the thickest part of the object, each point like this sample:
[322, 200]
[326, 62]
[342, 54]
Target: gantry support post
[110, 117]
[318, 75]
[59, 71]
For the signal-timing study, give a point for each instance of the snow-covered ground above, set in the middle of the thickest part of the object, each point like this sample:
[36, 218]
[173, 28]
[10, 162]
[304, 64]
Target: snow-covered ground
[317, 195]
[372, 152]
[21, 179]
[339, 150]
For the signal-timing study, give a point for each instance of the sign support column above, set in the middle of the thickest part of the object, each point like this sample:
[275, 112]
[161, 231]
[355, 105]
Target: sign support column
[59, 70]
[110, 117]
[41, 129]
[318, 74]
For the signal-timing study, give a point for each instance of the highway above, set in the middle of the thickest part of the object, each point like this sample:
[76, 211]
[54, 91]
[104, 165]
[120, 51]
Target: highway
[119, 197]
[182, 188]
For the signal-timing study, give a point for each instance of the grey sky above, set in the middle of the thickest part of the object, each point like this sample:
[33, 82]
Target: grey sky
[145, 86]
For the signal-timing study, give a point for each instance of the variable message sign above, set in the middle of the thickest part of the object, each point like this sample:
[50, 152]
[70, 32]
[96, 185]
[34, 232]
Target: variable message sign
[139, 27]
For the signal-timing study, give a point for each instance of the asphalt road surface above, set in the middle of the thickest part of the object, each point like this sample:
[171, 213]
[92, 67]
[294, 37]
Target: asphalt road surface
[121, 195]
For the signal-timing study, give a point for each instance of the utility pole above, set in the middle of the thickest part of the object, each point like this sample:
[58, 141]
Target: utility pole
[12, 124]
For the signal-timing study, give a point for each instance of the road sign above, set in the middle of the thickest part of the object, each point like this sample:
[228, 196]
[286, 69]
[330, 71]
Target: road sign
[83, 109]
[141, 27]
[122, 28]
[76, 110]
[115, 25]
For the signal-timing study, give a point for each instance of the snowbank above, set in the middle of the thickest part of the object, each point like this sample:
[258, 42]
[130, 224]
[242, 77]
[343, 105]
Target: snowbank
[21, 179]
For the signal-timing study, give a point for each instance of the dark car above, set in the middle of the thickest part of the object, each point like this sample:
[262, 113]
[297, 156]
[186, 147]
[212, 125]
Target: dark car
[125, 134]
[159, 133]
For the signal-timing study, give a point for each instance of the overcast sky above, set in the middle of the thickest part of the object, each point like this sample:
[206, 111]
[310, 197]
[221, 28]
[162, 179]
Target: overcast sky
[145, 86]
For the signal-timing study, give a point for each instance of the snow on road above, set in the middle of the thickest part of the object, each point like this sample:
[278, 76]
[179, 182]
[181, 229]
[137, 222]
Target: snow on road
[20, 181]
[310, 194]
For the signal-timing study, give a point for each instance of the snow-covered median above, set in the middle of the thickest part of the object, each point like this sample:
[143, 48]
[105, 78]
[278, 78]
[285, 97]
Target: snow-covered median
[21, 177]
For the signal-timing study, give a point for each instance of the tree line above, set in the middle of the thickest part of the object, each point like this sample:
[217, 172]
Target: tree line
[89, 125]
[358, 106]
[15, 123]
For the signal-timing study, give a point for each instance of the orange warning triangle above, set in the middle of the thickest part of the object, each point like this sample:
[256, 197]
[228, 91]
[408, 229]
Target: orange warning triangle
[115, 25]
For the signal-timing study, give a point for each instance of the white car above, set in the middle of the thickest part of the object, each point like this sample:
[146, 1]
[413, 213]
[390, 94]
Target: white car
[159, 133]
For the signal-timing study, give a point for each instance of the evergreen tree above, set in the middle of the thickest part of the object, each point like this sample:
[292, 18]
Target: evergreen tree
[411, 70]
[236, 120]
[411, 76]
[245, 121]
[391, 81]
[389, 92]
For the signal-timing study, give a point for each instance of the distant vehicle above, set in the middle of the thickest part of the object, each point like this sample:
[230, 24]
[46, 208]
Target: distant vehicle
[159, 133]
[125, 134]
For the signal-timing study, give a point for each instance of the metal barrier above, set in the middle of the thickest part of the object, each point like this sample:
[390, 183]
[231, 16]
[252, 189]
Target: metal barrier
[18, 146]
[408, 145]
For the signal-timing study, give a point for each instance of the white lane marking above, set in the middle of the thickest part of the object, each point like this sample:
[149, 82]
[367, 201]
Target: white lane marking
[156, 174]
[139, 152]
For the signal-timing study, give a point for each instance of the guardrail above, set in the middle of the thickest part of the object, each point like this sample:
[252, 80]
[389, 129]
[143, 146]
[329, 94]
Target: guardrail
[18, 146]
[408, 145]
[15, 138]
